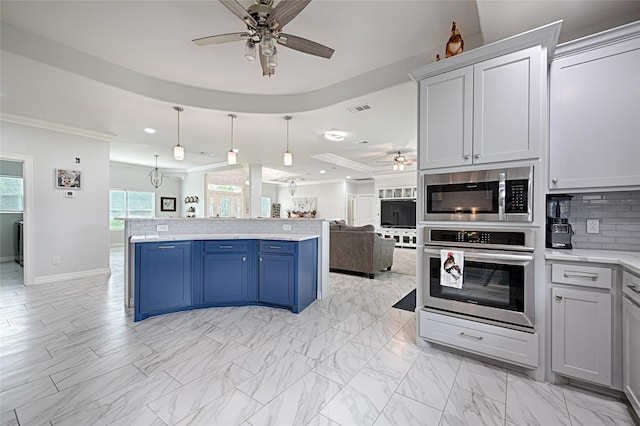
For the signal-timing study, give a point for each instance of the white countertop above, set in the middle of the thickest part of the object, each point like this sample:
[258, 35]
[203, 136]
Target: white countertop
[195, 237]
[627, 259]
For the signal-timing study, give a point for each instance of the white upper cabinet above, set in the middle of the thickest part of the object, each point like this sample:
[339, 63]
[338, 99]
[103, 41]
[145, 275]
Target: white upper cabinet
[595, 112]
[446, 118]
[507, 94]
[486, 105]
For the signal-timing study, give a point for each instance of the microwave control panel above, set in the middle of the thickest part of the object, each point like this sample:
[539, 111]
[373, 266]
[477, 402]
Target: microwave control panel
[517, 196]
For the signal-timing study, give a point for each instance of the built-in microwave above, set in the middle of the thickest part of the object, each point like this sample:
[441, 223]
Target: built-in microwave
[496, 195]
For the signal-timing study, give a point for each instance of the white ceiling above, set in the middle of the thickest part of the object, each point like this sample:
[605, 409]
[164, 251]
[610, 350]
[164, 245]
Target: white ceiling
[118, 67]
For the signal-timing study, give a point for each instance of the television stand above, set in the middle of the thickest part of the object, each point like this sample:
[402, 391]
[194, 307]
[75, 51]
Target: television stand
[405, 237]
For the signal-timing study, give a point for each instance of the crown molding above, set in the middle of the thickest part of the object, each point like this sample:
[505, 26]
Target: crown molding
[48, 125]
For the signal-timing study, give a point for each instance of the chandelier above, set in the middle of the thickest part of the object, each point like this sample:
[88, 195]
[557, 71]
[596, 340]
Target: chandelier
[156, 175]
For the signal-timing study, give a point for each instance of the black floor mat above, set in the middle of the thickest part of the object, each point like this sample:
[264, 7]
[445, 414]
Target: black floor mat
[408, 303]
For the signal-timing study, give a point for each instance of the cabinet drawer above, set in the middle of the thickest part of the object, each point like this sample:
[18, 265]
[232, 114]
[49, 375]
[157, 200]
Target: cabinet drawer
[277, 246]
[494, 342]
[225, 246]
[586, 276]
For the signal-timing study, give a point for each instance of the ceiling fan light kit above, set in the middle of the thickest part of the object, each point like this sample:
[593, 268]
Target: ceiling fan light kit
[264, 27]
[178, 150]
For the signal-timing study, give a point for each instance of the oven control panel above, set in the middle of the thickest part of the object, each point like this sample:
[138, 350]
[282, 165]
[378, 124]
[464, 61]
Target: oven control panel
[517, 196]
[477, 237]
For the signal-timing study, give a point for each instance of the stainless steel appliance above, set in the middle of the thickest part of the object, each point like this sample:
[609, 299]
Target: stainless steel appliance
[559, 229]
[495, 195]
[497, 275]
[18, 241]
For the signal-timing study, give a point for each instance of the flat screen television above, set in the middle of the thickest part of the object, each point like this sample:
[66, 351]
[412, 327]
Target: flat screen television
[398, 213]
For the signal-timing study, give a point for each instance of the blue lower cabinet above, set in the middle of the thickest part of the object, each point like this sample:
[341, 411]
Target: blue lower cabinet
[288, 273]
[276, 280]
[181, 275]
[163, 278]
[225, 278]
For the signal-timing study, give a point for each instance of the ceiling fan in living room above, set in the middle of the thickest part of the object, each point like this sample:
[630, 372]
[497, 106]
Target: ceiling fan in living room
[264, 30]
[400, 160]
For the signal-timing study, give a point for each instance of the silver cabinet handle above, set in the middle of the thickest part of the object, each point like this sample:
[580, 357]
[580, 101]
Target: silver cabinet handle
[558, 297]
[166, 247]
[260, 259]
[244, 259]
[225, 247]
[634, 288]
[554, 180]
[476, 156]
[463, 334]
[569, 274]
[466, 157]
[275, 247]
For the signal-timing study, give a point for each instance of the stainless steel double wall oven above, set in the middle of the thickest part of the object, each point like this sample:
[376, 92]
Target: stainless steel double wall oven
[497, 277]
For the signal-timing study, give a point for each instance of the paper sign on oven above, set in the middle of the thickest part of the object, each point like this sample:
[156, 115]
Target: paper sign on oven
[452, 268]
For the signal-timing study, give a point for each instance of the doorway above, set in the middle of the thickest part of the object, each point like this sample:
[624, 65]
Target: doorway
[15, 219]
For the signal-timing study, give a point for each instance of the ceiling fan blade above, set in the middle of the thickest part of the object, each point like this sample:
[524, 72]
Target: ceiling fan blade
[284, 12]
[220, 38]
[266, 71]
[237, 9]
[305, 46]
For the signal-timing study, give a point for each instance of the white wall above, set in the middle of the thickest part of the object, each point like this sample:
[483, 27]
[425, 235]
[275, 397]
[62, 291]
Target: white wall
[74, 229]
[136, 178]
[331, 198]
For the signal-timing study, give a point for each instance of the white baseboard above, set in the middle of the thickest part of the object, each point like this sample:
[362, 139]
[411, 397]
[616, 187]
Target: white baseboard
[47, 279]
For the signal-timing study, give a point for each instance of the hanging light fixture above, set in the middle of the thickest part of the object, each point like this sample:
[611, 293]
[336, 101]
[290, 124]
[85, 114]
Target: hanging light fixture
[292, 188]
[232, 158]
[288, 157]
[156, 175]
[178, 150]
[250, 50]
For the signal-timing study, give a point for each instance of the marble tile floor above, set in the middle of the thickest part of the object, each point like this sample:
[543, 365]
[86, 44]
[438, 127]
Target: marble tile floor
[72, 355]
[11, 274]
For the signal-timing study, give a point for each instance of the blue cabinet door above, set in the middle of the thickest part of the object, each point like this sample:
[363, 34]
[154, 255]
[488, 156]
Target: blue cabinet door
[226, 278]
[163, 278]
[276, 279]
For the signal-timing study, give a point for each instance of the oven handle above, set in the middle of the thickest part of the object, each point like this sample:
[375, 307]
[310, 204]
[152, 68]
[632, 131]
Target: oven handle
[489, 256]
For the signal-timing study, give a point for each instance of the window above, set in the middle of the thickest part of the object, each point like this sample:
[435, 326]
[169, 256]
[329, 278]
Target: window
[123, 203]
[11, 194]
[265, 207]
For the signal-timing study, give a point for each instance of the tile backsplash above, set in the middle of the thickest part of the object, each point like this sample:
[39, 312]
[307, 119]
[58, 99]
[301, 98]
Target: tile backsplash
[619, 217]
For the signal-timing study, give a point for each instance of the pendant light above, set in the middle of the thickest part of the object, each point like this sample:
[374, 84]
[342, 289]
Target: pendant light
[288, 157]
[156, 175]
[292, 188]
[232, 158]
[178, 150]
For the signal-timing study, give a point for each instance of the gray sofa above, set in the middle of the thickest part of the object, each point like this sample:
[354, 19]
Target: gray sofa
[359, 249]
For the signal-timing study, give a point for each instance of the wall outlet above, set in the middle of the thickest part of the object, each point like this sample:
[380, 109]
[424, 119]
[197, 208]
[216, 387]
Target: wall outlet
[593, 226]
[286, 227]
[69, 194]
[55, 260]
[162, 228]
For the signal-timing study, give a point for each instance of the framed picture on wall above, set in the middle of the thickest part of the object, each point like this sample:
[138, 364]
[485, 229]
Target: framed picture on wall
[167, 204]
[68, 179]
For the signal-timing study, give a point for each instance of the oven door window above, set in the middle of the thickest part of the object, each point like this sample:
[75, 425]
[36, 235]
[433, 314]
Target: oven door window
[469, 198]
[495, 285]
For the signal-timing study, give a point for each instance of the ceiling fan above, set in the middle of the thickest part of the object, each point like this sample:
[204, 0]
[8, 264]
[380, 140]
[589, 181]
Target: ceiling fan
[264, 28]
[400, 160]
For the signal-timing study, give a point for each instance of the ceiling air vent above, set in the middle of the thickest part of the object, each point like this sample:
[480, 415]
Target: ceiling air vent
[359, 108]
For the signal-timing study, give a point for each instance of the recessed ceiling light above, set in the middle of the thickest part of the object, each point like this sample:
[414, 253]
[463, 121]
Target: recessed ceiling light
[149, 130]
[348, 177]
[335, 135]
[323, 172]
